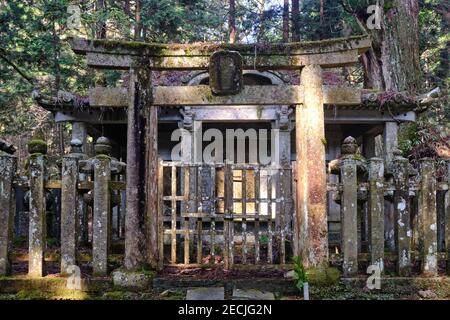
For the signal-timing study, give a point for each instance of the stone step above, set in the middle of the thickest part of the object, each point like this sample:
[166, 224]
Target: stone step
[252, 294]
[280, 286]
[211, 293]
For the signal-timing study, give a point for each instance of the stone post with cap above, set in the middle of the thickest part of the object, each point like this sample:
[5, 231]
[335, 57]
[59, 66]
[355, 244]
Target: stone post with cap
[100, 166]
[70, 209]
[37, 225]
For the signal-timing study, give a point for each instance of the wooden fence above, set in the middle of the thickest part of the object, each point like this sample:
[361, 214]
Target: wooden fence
[239, 212]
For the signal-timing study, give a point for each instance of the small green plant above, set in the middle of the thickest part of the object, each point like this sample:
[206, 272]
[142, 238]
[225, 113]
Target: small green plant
[19, 241]
[52, 242]
[264, 239]
[358, 157]
[300, 276]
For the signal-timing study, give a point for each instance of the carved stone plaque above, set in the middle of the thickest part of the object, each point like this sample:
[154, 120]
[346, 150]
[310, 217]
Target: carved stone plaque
[225, 73]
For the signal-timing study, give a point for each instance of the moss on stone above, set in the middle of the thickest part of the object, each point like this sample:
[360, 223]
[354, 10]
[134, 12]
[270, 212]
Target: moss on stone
[30, 295]
[388, 5]
[36, 142]
[116, 295]
[33, 156]
[323, 276]
[158, 49]
[103, 157]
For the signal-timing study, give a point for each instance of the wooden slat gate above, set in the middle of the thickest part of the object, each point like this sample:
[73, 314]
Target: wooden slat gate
[238, 214]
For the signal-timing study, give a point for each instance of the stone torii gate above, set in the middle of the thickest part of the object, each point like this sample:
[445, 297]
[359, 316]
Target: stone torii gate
[309, 98]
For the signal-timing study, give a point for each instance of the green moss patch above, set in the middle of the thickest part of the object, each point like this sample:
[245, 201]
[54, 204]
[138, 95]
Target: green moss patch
[323, 277]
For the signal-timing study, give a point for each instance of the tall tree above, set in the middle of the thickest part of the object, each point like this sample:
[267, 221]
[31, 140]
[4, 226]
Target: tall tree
[262, 19]
[321, 11]
[295, 20]
[232, 21]
[138, 22]
[100, 30]
[286, 21]
[393, 62]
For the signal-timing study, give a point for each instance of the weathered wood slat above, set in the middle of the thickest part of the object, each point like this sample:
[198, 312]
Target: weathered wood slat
[186, 216]
[198, 224]
[213, 211]
[202, 95]
[295, 228]
[283, 196]
[160, 214]
[244, 213]
[52, 184]
[199, 240]
[174, 215]
[186, 233]
[219, 217]
[89, 185]
[228, 190]
[257, 188]
[269, 221]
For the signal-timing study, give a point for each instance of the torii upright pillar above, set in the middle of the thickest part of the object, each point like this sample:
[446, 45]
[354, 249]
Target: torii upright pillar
[311, 210]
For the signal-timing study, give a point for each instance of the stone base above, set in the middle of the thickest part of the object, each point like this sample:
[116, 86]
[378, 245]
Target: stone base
[132, 281]
[279, 286]
[51, 285]
[392, 288]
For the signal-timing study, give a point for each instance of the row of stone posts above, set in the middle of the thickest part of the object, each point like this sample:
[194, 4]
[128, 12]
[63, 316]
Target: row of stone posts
[353, 169]
[74, 165]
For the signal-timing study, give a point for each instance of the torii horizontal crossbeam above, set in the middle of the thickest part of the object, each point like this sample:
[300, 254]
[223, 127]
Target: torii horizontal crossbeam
[202, 96]
[111, 54]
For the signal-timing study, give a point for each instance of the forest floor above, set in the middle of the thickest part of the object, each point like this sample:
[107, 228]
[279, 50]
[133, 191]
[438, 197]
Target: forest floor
[173, 283]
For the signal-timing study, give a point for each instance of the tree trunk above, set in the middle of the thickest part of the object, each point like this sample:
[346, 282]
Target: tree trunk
[232, 21]
[100, 30]
[393, 62]
[127, 11]
[56, 57]
[138, 23]
[322, 5]
[262, 18]
[286, 21]
[443, 69]
[295, 20]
